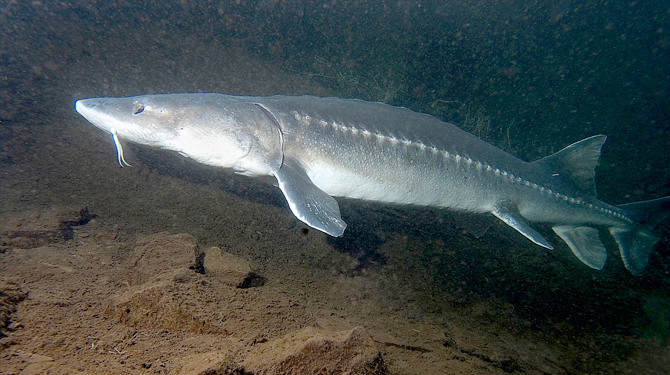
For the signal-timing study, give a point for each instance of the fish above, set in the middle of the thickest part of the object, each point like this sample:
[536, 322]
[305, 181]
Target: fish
[318, 148]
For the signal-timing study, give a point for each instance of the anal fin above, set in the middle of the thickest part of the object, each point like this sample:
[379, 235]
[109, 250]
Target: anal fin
[511, 216]
[308, 203]
[585, 244]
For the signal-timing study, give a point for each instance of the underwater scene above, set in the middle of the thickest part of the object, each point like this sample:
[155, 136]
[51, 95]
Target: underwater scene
[120, 255]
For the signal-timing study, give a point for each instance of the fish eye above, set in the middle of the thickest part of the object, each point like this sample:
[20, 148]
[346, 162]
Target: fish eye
[139, 109]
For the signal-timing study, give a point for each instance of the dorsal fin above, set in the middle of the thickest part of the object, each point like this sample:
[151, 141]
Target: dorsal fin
[577, 161]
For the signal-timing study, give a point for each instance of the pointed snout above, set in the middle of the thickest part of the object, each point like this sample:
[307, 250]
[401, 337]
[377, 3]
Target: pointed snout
[97, 111]
[83, 105]
[86, 108]
[79, 105]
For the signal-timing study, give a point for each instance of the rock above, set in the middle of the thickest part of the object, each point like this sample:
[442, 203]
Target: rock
[231, 269]
[160, 253]
[10, 296]
[159, 304]
[311, 351]
[25, 242]
[31, 358]
[28, 230]
[36, 364]
[216, 362]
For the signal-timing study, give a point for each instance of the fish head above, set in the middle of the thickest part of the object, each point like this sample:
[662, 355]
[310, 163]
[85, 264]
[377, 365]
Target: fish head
[214, 129]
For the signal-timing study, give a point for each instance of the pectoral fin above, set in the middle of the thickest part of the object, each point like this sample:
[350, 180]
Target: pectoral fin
[511, 216]
[309, 204]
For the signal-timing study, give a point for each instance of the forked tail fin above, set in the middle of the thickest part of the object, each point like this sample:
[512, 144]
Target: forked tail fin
[636, 242]
[576, 163]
